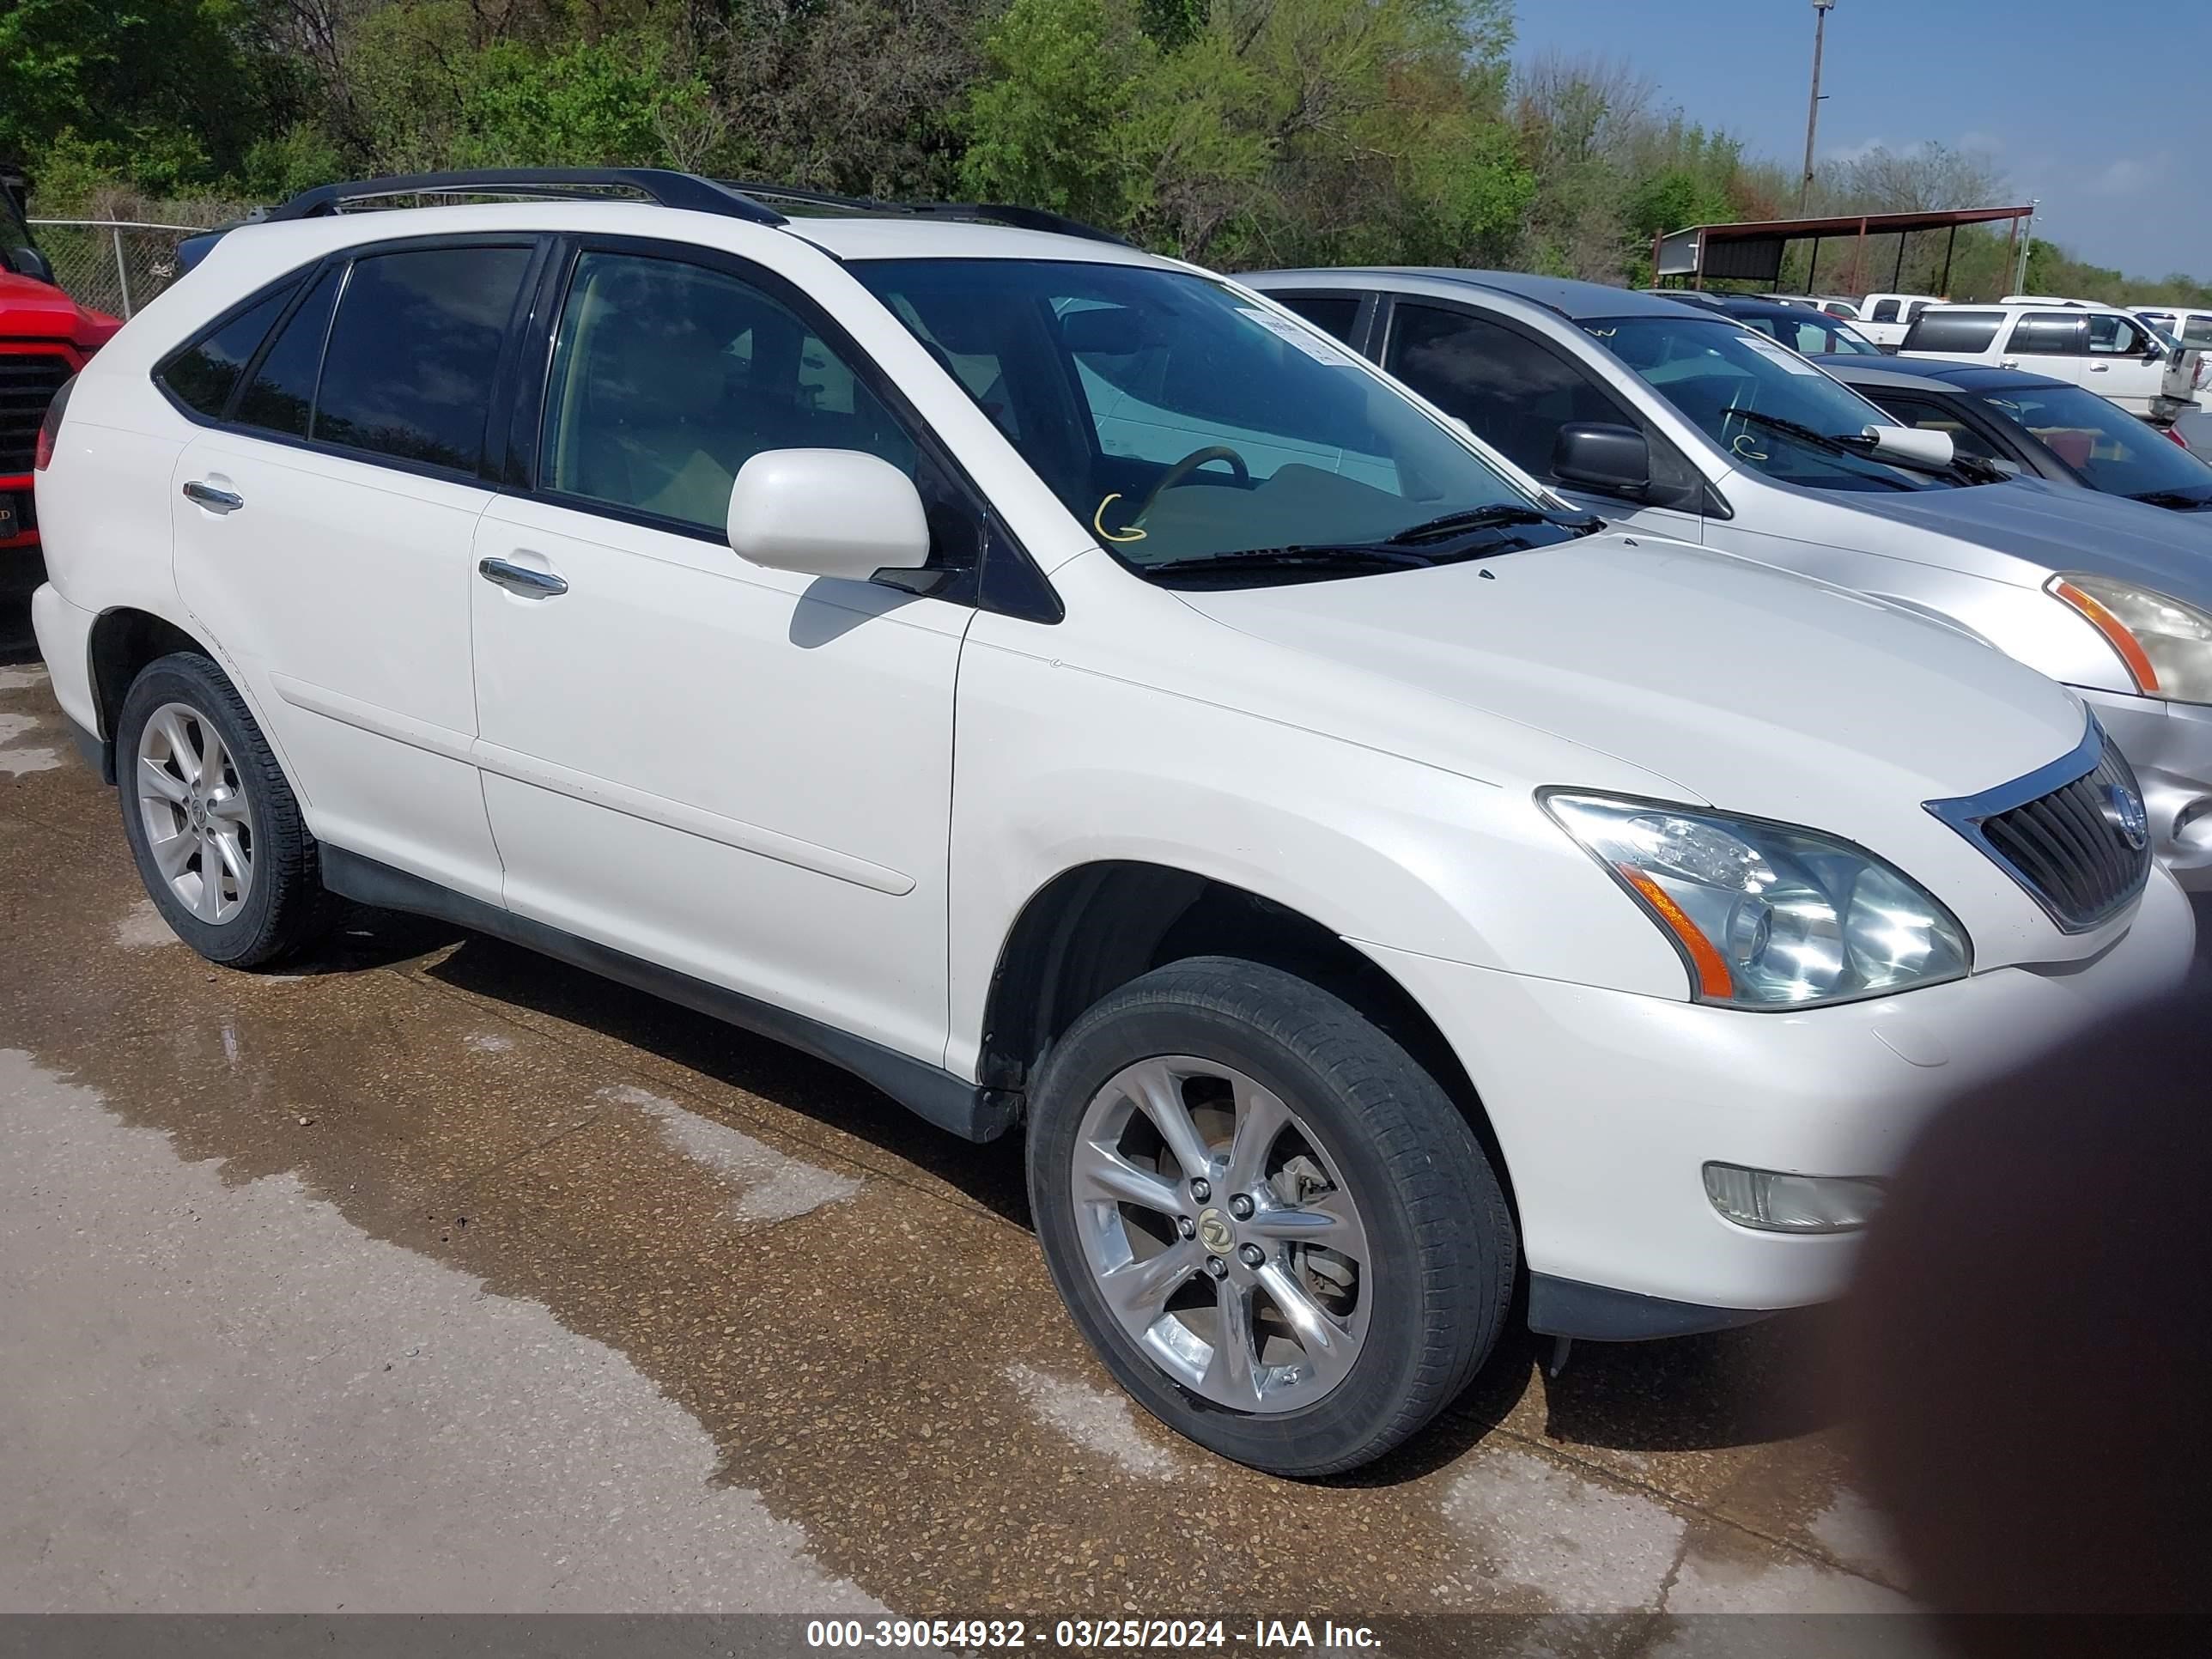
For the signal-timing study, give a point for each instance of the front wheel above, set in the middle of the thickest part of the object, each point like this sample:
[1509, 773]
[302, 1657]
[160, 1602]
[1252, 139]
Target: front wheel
[1272, 1224]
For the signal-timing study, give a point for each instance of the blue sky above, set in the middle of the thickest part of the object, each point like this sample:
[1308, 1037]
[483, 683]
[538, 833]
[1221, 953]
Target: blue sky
[2102, 111]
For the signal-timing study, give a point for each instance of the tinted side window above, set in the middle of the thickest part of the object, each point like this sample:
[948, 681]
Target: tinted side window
[1944, 330]
[409, 369]
[1333, 313]
[1515, 393]
[2196, 329]
[1885, 311]
[203, 375]
[282, 394]
[667, 378]
[2047, 334]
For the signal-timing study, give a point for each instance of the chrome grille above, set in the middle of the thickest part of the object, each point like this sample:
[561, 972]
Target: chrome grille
[28, 381]
[2073, 834]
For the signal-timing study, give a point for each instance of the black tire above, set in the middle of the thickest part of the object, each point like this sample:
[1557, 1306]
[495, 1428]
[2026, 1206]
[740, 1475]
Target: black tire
[1440, 1233]
[284, 906]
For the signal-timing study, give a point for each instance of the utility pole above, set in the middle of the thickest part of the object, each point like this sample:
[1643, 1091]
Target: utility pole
[2020, 270]
[1820, 10]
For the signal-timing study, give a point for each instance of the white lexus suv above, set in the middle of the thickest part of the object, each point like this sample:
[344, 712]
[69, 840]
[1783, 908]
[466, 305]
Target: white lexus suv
[1373, 887]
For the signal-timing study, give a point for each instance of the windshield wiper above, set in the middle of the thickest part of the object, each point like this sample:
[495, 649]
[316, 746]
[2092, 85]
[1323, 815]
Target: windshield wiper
[1496, 516]
[1858, 445]
[2177, 498]
[1977, 468]
[1797, 429]
[1349, 555]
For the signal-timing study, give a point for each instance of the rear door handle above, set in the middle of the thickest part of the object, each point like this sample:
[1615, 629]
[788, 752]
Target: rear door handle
[214, 500]
[2099, 368]
[521, 578]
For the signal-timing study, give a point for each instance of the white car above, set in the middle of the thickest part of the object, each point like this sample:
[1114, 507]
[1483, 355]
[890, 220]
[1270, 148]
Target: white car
[2192, 328]
[1369, 884]
[2101, 348]
[1885, 318]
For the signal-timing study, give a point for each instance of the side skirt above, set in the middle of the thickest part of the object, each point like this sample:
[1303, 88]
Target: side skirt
[951, 1102]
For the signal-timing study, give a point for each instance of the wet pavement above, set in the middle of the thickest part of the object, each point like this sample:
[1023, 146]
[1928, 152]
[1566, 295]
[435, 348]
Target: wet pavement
[429, 1274]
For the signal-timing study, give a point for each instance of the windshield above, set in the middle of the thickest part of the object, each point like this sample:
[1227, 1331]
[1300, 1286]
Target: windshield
[1745, 392]
[2105, 445]
[1182, 423]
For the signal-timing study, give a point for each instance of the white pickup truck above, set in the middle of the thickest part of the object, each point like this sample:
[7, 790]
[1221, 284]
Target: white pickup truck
[2106, 350]
[1884, 318]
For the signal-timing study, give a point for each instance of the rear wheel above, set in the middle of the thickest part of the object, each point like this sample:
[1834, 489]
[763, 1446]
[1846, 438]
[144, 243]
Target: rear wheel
[1271, 1223]
[214, 828]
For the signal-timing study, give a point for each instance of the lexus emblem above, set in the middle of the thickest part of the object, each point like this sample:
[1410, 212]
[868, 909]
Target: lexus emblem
[2124, 811]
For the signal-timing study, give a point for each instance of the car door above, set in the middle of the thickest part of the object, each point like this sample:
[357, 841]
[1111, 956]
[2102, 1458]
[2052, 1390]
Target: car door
[2050, 343]
[1515, 391]
[2118, 363]
[741, 773]
[325, 525]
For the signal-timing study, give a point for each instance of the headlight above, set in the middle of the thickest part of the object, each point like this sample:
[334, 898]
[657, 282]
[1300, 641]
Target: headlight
[2165, 644]
[1766, 915]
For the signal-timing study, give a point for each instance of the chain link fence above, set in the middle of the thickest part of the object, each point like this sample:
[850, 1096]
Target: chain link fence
[114, 265]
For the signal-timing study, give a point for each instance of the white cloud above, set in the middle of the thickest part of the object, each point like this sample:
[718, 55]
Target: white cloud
[2129, 173]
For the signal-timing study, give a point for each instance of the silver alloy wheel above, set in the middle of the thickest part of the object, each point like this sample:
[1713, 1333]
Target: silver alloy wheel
[192, 805]
[1219, 1233]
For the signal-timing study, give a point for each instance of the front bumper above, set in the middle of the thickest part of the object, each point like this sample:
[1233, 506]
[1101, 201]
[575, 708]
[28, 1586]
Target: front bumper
[1607, 1105]
[2170, 746]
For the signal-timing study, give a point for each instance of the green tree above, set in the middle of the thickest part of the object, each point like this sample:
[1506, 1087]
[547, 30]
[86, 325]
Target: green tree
[163, 94]
[1049, 126]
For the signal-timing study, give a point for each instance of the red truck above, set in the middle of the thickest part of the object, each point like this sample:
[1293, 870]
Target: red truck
[44, 338]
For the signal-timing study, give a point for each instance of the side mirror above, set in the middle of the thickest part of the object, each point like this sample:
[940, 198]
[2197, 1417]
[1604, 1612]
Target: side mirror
[1615, 461]
[2153, 353]
[827, 513]
[29, 262]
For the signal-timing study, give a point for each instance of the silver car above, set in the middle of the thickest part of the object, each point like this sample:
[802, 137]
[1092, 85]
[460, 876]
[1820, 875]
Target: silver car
[1682, 421]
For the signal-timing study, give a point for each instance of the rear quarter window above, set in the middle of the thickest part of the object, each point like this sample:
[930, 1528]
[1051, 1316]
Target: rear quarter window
[203, 374]
[1964, 331]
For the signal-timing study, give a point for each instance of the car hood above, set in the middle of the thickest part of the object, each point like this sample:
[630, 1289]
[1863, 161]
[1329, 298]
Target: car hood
[39, 311]
[2053, 527]
[1749, 688]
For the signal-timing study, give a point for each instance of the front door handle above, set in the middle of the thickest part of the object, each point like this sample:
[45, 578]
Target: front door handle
[2100, 368]
[521, 578]
[214, 500]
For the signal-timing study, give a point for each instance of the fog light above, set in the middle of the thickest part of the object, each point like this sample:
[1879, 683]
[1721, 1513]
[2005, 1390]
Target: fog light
[1777, 1203]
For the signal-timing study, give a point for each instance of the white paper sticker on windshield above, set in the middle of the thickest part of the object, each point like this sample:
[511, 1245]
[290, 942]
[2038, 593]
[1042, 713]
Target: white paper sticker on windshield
[1314, 347]
[1780, 353]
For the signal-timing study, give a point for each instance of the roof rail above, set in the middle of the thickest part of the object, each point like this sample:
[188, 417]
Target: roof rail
[990, 213]
[658, 185]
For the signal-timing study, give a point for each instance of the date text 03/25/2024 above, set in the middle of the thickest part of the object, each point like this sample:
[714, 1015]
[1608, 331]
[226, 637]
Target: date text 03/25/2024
[1257, 1635]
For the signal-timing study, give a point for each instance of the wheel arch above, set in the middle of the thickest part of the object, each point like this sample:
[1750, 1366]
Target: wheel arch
[123, 641]
[1093, 928]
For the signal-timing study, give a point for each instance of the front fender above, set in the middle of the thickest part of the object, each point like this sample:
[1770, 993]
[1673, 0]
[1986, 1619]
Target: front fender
[1059, 768]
